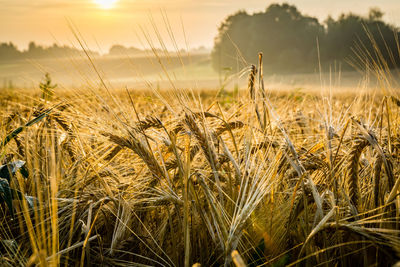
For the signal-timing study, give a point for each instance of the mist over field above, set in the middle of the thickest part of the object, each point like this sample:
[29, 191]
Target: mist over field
[298, 51]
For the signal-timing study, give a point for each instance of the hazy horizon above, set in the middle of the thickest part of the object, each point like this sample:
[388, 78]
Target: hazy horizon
[45, 21]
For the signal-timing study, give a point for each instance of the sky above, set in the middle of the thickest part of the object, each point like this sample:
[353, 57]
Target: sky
[193, 23]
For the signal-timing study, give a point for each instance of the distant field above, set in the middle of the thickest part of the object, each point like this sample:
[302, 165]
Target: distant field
[124, 70]
[192, 71]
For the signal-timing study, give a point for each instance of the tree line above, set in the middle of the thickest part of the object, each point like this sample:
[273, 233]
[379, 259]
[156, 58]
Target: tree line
[9, 51]
[293, 42]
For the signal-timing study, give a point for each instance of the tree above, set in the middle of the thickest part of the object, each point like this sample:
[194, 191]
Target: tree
[8, 51]
[375, 14]
[361, 40]
[285, 36]
[35, 50]
[119, 50]
[288, 40]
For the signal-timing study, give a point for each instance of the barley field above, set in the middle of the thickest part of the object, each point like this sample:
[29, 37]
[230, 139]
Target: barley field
[181, 177]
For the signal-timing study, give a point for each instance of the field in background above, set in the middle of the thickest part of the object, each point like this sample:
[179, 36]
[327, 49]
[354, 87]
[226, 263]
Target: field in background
[138, 72]
[117, 70]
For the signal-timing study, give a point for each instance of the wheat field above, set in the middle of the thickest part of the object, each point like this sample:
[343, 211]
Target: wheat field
[254, 177]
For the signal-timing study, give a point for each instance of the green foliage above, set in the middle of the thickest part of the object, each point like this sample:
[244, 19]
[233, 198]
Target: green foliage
[47, 87]
[296, 95]
[18, 130]
[290, 40]
[283, 261]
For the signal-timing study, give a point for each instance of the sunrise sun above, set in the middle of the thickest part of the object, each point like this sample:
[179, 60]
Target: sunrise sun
[105, 4]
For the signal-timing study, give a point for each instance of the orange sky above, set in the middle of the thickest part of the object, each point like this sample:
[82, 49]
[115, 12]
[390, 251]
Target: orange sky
[45, 21]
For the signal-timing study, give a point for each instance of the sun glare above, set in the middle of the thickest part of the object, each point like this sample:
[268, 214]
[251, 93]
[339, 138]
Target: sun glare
[105, 4]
